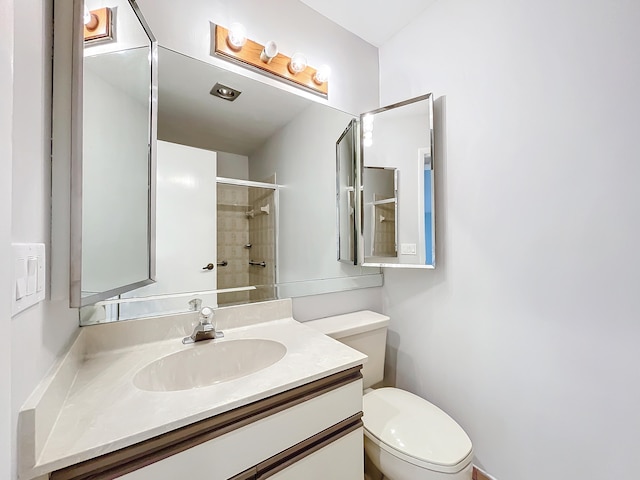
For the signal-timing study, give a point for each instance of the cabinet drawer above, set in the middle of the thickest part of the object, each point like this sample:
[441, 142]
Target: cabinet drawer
[342, 459]
[236, 451]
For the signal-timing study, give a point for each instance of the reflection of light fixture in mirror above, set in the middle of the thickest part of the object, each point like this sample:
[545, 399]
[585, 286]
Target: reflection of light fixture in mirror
[91, 20]
[97, 24]
[224, 92]
[367, 130]
[367, 139]
[237, 36]
[297, 64]
[269, 52]
[322, 74]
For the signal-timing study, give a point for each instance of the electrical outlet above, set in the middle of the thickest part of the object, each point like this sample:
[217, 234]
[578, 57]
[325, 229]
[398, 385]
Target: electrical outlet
[408, 249]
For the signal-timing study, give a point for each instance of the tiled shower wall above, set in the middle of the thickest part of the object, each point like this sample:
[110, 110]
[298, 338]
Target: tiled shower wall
[262, 238]
[233, 234]
[236, 230]
[384, 242]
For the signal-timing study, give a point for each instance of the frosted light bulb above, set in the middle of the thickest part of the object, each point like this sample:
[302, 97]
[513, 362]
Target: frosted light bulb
[298, 63]
[322, 74]
[237, 36]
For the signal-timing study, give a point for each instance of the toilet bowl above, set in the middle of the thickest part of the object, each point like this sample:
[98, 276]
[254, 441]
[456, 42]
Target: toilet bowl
[405, 436]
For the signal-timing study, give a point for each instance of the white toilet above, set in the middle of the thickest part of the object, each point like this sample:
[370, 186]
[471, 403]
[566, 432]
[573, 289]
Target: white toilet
[406, 437]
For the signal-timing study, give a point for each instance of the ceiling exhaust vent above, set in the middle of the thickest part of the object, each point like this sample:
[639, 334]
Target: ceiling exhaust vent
[224, 92]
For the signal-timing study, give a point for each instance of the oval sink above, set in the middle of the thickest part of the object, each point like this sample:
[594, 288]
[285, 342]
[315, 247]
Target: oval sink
[208, 363]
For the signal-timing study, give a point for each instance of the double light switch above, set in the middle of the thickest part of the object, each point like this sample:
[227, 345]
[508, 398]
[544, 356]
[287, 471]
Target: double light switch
[28, 275]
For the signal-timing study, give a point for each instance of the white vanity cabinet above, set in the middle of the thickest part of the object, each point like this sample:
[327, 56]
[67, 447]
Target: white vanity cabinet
[309, 432]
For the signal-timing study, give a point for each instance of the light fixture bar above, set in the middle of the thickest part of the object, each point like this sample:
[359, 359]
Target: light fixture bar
[249, 55]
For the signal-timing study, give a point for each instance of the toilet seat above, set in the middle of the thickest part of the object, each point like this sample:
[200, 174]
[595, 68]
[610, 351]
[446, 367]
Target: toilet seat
[416, 431]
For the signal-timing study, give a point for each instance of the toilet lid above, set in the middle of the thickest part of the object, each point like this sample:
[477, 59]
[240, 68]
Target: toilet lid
[414, 428]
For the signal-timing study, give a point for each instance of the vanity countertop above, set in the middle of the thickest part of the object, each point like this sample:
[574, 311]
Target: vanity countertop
[103, 411]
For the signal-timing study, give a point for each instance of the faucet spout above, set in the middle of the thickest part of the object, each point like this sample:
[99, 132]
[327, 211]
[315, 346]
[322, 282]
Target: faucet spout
[204, 330]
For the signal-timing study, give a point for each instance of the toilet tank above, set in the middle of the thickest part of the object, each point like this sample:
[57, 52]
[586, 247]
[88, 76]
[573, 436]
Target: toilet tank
[365, 331]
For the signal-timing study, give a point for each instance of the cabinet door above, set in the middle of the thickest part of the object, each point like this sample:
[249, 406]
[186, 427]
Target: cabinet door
[342, 459]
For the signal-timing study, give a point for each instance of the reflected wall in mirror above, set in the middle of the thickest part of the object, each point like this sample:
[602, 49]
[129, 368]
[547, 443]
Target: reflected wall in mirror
[112, 221]
[274, 237]
[397, 142]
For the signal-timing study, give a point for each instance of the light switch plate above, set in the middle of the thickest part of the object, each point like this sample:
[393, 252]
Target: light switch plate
[28, 274]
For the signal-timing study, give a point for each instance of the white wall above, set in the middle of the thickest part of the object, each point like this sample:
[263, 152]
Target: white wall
[39, 333]
[6, 99]
[231, 165]
[115, 172]
[527, 332]
[353, 86]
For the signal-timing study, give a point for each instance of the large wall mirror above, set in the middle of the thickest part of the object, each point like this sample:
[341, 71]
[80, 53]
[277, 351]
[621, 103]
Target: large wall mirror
[245, 190]
[112, 220]
[397, 195]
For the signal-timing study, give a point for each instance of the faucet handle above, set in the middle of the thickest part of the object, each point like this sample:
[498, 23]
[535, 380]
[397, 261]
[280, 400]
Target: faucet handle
[195, 304]
[206, 314]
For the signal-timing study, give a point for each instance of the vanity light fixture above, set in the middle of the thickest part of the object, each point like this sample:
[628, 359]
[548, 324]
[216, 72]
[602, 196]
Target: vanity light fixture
[224, 92]
[98, 24]
[267, 58]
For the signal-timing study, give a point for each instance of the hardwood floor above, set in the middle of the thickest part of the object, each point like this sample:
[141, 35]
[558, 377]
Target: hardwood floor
[477, 475]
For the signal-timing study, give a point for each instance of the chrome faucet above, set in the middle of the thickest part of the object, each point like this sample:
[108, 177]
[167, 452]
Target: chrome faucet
[205, 330]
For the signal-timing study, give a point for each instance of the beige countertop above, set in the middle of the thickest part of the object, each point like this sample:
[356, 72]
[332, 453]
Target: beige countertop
[89, 405]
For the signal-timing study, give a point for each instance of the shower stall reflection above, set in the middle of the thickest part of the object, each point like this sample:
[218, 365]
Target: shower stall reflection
[246, 233]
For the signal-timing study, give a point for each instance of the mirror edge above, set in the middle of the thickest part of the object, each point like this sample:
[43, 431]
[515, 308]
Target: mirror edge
[351, 129]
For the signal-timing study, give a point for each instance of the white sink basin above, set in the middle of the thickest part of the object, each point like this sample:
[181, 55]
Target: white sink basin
[207, 363]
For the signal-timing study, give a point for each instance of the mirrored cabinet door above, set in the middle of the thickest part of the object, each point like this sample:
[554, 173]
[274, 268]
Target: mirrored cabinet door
[396, 198]
[112, 171]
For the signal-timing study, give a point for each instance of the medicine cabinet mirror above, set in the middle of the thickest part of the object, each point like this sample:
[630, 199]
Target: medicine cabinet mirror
[113, 158]
[385, 187]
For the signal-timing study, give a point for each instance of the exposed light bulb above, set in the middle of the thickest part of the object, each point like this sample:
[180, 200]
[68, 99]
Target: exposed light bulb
[269, 52]
[91, 20]
[322, 74]
[297, 64]
[237, 36]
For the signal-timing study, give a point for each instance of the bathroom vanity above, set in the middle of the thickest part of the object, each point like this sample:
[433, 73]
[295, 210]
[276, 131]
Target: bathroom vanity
[130, 400]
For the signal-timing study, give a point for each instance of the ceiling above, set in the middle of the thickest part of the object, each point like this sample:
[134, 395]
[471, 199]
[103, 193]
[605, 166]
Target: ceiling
[375, 21]
[189, 115]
